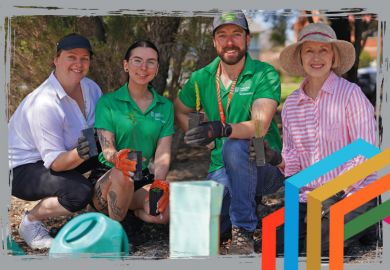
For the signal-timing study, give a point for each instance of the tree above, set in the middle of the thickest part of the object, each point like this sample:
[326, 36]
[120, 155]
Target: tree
[162, 31]
[279, 27]
[177, 38]
[194, 49]
[278, 33]
[355, 29]
[184, 44]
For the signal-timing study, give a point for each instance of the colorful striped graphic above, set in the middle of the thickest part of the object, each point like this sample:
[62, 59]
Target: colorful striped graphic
[317, 196]
[376, 160]
[294, 183]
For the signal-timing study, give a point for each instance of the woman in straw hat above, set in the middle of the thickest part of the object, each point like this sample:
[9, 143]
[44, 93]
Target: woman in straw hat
[325, 114]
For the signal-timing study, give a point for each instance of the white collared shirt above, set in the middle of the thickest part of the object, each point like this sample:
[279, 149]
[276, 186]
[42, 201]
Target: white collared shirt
[48, 122]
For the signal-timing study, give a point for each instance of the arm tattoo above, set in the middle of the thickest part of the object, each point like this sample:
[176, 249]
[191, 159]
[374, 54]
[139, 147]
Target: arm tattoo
[107, 146]
[104, 141]
[115, 210]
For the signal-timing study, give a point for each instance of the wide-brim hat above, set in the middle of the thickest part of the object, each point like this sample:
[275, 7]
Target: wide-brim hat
[344, 51]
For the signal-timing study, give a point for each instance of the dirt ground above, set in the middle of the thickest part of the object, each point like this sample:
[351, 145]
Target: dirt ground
[189, 164]
[151, 241]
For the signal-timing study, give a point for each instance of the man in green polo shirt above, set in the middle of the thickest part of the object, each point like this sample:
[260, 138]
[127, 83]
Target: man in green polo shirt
[234, 89]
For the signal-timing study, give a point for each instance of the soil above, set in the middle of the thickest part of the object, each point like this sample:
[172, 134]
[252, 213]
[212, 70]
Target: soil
[151, 241]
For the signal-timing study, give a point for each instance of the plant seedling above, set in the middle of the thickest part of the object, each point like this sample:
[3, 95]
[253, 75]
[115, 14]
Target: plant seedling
[194, 119]
[258, 143]
[197, 117]
[137, 156]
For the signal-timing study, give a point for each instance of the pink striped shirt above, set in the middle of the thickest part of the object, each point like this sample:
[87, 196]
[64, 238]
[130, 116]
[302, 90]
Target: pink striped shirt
[313, 129]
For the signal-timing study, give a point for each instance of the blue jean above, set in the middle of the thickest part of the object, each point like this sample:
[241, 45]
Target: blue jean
[221, 177]
[246, 181]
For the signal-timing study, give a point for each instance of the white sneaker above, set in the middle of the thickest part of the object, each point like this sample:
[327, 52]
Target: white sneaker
[34, 233]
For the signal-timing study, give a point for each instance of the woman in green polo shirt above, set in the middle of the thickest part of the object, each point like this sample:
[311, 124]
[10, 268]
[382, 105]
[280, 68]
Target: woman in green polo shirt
[133, 118]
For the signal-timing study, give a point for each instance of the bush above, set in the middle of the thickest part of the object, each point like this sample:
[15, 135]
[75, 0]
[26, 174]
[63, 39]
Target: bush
[364, 59]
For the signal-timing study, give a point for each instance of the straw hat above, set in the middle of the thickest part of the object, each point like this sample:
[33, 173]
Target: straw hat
[290, 58]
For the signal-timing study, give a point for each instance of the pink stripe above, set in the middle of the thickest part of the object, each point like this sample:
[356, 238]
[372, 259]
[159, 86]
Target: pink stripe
[313, 129]
[315, 33]
[387, 220]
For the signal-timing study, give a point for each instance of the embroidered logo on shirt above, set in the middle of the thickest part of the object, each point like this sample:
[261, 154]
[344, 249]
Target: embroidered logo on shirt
[131, 116]
[244, 89]
[157, 116]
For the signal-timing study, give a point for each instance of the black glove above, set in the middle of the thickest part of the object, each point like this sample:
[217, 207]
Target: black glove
[83, 148]
[272, 157]
[207, 132]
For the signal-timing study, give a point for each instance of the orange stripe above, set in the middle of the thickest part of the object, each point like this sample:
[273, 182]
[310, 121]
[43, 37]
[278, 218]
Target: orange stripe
[336, 240]
[268, 245]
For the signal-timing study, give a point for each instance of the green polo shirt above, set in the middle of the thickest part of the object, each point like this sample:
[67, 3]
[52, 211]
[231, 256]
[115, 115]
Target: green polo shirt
[257, 80]
[118, 113]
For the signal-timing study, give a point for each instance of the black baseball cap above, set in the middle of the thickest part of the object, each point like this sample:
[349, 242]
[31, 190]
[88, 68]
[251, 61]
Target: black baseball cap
[231, 17]
[73, 41]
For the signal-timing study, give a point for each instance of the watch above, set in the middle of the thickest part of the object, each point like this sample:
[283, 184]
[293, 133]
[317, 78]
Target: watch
[227, 130]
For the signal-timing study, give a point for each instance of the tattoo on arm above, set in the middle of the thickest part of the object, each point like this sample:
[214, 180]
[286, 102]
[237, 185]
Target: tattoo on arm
[115, 210]
[108, 146]
[104, 141]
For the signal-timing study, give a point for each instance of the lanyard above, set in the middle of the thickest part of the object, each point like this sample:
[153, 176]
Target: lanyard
[231, 91]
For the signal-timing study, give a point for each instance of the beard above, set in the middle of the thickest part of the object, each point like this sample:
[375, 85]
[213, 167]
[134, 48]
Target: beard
[232, 60]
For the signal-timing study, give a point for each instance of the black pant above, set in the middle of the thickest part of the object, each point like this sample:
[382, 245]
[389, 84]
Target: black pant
[34, 181]
[324, 227]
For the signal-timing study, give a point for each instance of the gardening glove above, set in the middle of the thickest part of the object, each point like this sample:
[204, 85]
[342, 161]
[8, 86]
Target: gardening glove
[164, 186]
[207, 132]
[83, 147]
[272, 157]
[122, 163]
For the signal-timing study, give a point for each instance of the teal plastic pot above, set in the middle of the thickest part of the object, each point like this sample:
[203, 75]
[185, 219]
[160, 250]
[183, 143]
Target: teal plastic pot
[91, 235]
[13, 247]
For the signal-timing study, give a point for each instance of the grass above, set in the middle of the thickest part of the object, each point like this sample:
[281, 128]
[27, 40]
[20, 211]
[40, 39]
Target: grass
[287, 89]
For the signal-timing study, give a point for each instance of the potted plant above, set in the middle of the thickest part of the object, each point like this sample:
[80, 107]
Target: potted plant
[258, 143]
[134, 154]
[196, 117]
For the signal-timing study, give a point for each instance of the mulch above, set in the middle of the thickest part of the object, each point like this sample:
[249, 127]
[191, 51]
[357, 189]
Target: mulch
[151, 241]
